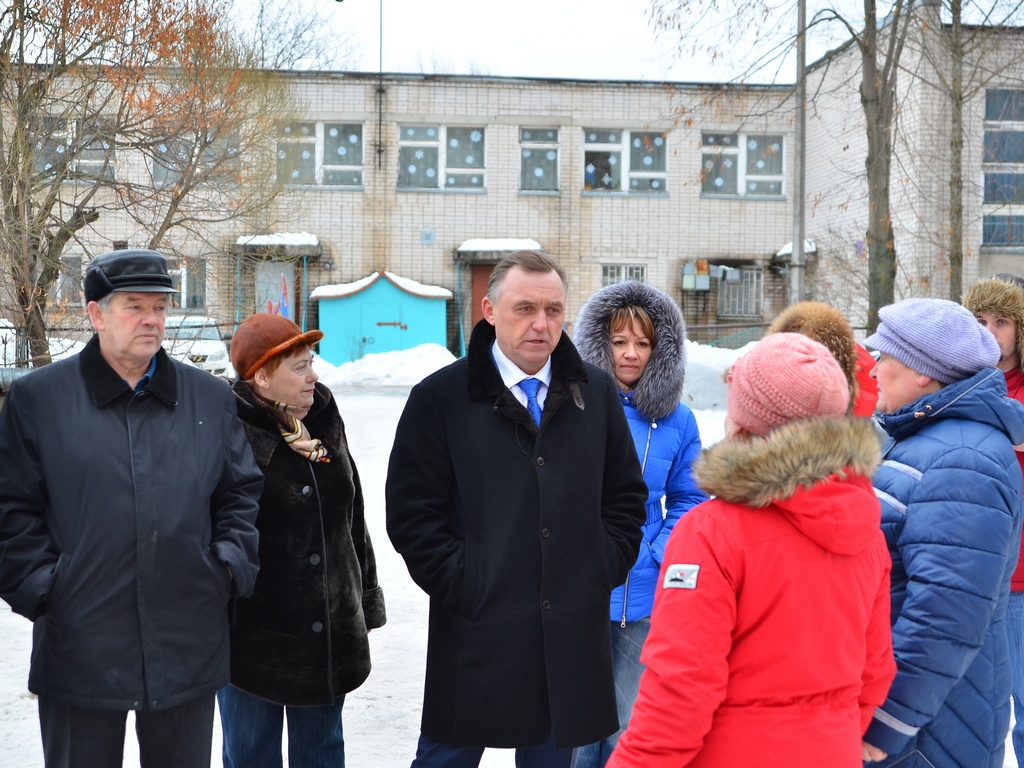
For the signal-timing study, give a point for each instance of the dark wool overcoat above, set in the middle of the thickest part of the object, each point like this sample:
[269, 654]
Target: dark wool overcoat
[518, 535]
[301, 639]
[118, 513]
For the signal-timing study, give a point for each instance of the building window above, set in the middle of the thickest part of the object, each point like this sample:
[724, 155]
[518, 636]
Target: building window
[189, 279]
[75, 148]
[1002, 230]
[1004, 104]
[440, 157]
[68, 290]
[742, 164]
[216, 161]
[324, 154]
[1003, 168]
[612, 158]
[96, 151]
[538, 170]
[620, 273]
[741, 293]
[171, 159]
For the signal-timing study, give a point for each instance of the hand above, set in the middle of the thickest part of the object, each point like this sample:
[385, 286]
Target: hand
[231, 574]
[872, 754]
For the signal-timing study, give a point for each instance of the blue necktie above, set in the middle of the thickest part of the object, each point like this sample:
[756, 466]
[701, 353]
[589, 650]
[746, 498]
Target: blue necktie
[531, 387]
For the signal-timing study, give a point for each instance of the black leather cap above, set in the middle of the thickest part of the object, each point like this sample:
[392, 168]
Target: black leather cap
[135, 270]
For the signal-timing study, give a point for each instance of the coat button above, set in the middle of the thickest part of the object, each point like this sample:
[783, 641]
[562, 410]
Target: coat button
[318, 627]
[545, 532]
[546, 605]
[540, 461]
[307, 491]
[314, 559]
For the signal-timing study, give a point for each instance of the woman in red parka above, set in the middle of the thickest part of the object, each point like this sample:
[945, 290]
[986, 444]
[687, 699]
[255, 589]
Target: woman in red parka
[769, 642]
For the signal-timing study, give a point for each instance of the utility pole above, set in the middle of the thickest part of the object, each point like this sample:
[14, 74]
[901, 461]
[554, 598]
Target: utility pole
[796, 263]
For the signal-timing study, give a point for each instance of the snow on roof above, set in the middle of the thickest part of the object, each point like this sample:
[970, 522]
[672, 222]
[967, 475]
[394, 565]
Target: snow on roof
[341, 290]
[787, 249]
[500, 244]
[279, 238]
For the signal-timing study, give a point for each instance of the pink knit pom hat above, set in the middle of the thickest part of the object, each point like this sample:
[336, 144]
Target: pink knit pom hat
[786, 376]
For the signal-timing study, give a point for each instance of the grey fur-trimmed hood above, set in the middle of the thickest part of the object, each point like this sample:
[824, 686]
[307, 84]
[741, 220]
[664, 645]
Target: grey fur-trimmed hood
[657, 393]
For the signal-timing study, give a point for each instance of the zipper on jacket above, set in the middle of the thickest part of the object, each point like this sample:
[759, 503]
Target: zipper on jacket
[327, 589]
[643, 471]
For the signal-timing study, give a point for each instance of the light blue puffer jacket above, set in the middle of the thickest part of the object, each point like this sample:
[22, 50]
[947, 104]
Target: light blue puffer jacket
[664, 430]
[950, 488]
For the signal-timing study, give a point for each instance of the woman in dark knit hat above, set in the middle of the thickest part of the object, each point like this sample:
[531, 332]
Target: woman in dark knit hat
[300, 642]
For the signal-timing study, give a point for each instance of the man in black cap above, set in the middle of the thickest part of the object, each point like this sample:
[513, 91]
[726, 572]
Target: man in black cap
[128, 496]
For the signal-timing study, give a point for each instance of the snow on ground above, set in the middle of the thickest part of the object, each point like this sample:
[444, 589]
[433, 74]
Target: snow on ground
[381, 718]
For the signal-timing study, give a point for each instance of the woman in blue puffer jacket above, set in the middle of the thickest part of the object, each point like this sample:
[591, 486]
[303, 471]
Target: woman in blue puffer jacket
[637, 334]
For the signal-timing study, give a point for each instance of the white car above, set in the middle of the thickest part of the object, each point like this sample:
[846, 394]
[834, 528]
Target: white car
[197, 340]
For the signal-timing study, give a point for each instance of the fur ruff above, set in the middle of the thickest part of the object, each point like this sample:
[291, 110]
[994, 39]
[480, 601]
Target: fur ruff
[827, 326]
[1001, 299]
[657, 393]
[796, 455]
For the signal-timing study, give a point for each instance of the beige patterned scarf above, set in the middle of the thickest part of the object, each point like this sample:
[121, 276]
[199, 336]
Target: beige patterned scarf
[294, 432]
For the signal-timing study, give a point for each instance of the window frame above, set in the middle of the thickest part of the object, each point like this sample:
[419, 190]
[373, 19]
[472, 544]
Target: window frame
[73, 137]
[749, 289]
[443, 169]
[623, 149]
[69, 288]
[317, 141]
[740, 151]
[1002, 204]
[544, 144]
[184, 273]
[626, 272]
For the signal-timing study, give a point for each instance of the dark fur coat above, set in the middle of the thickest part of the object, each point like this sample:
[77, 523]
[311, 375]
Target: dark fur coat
[301, 639]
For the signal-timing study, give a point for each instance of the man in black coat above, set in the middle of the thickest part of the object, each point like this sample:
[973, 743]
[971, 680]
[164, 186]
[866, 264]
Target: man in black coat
[128, 497]
[515, 496]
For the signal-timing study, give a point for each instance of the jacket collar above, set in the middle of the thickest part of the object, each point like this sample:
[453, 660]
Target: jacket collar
[568, 371]
[105, 385]
[981, 397]
[484, 379]
[262, 429]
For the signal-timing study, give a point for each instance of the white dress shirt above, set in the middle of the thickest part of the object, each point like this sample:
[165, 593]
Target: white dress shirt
[511, 374]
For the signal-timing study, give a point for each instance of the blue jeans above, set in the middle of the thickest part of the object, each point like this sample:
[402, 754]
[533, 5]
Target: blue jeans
[1015, 634]
[437, 754]
[627, 643]
[252, 732]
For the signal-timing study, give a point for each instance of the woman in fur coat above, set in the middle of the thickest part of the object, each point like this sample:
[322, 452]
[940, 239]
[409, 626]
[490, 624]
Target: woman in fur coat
[637, 334]
[770, 642]
[300, 642]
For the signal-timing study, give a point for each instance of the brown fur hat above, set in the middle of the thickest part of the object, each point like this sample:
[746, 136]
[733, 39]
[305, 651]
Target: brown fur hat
[1001, 296]
[827, 326]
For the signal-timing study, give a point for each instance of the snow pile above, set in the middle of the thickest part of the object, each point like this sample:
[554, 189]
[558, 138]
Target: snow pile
[704, 387]
[401, 369]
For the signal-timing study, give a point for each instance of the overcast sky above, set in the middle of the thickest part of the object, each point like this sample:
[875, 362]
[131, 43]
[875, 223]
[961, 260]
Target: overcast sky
[591, 39]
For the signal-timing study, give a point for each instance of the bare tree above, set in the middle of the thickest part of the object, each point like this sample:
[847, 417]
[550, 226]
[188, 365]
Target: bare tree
[156, 115]
[979, 44]
[286, 34]
[879, 35]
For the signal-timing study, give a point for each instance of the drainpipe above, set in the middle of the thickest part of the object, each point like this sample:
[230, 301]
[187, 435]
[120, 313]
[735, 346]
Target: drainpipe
[238, 291]
[458, 298]
[305, 288]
